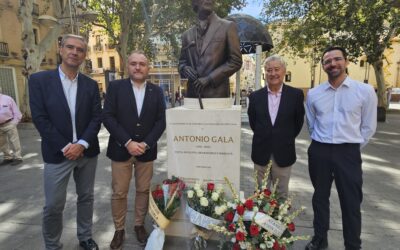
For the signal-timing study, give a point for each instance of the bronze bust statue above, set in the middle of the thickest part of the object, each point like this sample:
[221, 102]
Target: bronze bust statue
[210, 53]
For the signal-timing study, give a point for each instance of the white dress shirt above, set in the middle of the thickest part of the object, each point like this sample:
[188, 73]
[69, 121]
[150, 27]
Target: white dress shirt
[70, 88]
[343, 115]
[139, 92]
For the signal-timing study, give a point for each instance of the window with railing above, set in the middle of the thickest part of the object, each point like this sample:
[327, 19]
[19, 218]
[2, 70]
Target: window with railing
[4, 49]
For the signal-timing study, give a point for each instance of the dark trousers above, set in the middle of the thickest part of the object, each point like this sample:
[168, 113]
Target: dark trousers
[342, 163]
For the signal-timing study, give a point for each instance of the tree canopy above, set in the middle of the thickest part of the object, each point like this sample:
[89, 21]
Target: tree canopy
[362, 27]
[133, 24]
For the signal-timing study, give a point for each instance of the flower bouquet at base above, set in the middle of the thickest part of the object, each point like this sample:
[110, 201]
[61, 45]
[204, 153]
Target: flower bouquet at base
[262, 221]
[205, 207]
[164, 201]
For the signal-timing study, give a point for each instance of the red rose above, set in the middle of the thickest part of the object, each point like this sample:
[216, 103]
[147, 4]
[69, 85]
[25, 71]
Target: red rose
[267, 192]
[276, 246]
[249, 204]
[239, 236]
[254, 230]
[232, 227]
[273, 203]
[291, 227]
[229, 216]
[283, 247]
[236, 246]
[240, 209]
[210, 186]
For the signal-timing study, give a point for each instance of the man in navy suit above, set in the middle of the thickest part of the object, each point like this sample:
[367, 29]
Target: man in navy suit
[66, 111]
[276, 116]
[134, 114]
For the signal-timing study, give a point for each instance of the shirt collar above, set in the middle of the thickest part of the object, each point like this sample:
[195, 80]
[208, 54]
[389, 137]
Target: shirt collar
[346, 82]
[279, 91]
[63, 76]
[142, 86]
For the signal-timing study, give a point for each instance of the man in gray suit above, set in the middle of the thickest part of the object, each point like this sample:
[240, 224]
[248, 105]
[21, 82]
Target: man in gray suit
[210, 53]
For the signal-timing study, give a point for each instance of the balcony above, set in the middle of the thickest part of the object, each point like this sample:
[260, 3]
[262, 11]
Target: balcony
[109, 46]
[4, 49]
[97, 47]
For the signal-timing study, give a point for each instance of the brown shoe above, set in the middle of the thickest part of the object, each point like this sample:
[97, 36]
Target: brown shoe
[141, 234]
[118, 240]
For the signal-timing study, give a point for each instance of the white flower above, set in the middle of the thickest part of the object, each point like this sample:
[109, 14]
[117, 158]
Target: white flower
[218, 210]
[199, 193]
[190, 194]
[204, 201]
[224, 208]
[243, 245]
[214, 196]
[231, 205]
[233, 240]
[219, 188]
[270, 244]
[263, 187]
[197, 186]
[263, 246]
[255, 209]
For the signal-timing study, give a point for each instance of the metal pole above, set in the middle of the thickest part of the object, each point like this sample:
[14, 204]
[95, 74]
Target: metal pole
[258, 67]
[237, 96]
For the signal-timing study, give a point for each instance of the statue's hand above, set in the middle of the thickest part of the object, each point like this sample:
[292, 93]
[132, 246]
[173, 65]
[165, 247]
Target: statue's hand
[190, 73]
[200, 83]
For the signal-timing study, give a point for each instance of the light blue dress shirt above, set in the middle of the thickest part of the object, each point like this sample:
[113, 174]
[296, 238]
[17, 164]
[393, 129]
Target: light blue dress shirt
[343, 115]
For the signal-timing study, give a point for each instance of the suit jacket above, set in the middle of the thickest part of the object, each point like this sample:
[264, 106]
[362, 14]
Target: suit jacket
[277, 139]
[52, 117]
[220, 56]
[121, 119]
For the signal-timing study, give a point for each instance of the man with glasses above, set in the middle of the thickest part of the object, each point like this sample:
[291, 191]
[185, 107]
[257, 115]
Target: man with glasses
[341, 117]
[66, 111]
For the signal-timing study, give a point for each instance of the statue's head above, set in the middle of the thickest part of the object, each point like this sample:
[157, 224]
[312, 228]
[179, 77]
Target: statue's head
[203, 6]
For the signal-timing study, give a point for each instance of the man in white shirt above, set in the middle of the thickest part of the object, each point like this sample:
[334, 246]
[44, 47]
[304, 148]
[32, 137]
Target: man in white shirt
[66, 111]
[134, 114]
[341, 117]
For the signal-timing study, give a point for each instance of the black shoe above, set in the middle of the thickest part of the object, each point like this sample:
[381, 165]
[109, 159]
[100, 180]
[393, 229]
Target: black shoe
[89, 245]
[5, 162]
[16, 162]
[317, 244]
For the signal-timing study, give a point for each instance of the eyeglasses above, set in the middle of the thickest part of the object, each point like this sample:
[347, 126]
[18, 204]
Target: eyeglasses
[329, 61]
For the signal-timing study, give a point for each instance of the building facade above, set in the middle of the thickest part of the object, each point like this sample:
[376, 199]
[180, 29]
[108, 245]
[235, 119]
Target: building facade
[12, 80]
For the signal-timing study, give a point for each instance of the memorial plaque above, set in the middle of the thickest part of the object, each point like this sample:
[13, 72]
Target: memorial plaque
[204, 146]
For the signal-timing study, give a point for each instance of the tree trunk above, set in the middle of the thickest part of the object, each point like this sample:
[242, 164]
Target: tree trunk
[33, 54]
[381, 90]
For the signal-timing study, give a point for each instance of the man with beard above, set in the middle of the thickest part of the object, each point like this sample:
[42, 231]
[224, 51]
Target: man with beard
[341, 117]
[210, 53]
[134, 114]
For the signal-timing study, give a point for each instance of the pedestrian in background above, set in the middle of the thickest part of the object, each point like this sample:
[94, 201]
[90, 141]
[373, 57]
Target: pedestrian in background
[10, 116]
[276, 116]
[134, 114]
[341, 117]
[66, 110]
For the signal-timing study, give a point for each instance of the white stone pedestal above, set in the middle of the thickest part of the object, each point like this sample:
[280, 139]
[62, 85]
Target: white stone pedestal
[203, 145]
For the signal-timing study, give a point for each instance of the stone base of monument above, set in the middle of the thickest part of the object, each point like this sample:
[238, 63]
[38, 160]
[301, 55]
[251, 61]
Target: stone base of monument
[203, 146]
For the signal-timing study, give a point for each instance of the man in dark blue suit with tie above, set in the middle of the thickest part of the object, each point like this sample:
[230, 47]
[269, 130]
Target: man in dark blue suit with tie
[134, 114]
[66, 111]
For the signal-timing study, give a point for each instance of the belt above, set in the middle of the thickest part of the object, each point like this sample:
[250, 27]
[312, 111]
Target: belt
[9, 120]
